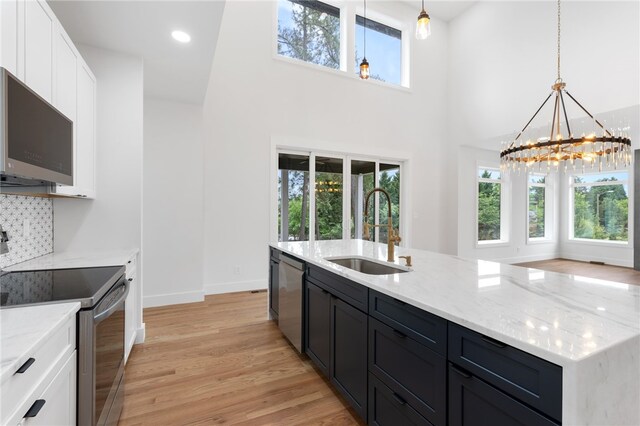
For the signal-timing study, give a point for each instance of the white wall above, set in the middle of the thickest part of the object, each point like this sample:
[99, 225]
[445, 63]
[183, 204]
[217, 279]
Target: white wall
[255, 99]
[113, 219]
[502, 64]
[173, 202]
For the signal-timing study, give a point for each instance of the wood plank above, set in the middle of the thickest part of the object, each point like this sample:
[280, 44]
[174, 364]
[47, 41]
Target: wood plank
[222, 361]
[586, 269]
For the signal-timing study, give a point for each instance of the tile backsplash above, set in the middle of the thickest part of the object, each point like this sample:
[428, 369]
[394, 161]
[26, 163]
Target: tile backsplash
[14, 210]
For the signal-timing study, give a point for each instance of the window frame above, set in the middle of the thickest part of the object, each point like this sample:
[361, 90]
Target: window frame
[347, 44]
[571, 210]
[549, 231]
[505, 216]
[346, 188]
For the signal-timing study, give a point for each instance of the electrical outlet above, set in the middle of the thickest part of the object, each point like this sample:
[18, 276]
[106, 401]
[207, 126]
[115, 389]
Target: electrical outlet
[26, 228]
[236, 270]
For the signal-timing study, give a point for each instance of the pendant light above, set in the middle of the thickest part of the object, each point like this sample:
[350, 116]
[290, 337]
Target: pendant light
[423, 28]
[364, 65]
[604, 148]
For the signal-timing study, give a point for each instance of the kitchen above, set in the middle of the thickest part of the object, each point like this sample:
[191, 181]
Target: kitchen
[223, 109]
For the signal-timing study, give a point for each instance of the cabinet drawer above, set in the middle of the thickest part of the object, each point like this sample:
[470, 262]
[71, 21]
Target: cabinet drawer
[349, 291]
[274, 254]
[387, 408]
[20, 385]
[528, 378]
[474, 402]
[410, 369]
[422, 326]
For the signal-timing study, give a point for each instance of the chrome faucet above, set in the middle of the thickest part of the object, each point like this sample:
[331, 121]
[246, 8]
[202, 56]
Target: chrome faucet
[392, 235]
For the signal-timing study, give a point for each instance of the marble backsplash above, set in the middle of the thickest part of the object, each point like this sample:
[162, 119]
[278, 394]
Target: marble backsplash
[14, 210]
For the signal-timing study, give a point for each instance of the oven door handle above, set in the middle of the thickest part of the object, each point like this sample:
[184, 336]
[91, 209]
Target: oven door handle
[114, 306]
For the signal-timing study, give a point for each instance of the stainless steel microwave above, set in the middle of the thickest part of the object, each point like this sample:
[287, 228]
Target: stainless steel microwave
[36, 140]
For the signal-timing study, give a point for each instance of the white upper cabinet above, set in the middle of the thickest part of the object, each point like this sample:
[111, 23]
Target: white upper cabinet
[39, 25]
[36, 49]
[9, 35]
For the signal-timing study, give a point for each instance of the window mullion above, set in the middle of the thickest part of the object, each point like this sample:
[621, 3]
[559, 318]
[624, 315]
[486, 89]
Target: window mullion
[312, 197]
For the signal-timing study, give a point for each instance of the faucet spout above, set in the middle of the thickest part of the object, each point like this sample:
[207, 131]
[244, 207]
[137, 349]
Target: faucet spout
[392, 235]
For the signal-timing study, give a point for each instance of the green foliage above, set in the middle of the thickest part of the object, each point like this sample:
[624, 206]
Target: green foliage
[601, 212]
[329, 206]
[488, 209]
[314, 37]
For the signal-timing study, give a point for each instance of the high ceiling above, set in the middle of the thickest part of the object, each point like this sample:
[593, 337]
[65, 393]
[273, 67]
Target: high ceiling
[172, 70]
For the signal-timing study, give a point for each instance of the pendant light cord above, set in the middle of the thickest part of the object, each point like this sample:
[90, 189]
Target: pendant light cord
[559, 79]
[365, 30]
[423, 5]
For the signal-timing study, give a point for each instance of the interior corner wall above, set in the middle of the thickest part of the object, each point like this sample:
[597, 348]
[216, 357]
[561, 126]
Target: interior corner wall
[114, 219]
[517, 248]
[173, 202]
[254, 96]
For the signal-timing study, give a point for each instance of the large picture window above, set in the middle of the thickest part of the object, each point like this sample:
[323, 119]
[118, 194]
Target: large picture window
[600, 203]
[491, 218]
[309, 30]
[336, 209]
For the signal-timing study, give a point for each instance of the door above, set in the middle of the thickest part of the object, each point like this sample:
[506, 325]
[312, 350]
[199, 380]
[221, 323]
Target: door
[318, 326]
[349, 353]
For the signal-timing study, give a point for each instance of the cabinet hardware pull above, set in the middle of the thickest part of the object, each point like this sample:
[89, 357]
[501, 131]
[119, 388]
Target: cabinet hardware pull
[400, 301]
[400, 399]
[493, 342]
[25, 366]
[399, 333]
[460, 371]
[35, 408]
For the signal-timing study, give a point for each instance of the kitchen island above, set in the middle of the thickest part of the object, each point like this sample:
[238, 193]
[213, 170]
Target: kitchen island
[587, 328]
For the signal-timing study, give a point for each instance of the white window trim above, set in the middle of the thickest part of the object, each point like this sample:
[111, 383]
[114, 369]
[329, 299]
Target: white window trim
[549, 231]
[403, 163]
[347, 46]
[588, 241]
[505, 204]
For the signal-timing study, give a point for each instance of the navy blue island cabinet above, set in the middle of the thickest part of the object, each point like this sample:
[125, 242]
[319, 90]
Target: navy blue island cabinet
[399, 365]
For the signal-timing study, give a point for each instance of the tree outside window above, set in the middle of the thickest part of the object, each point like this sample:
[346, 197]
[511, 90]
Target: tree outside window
[489, 205]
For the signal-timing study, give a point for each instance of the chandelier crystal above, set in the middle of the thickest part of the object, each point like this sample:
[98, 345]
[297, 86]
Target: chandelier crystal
[601, 147]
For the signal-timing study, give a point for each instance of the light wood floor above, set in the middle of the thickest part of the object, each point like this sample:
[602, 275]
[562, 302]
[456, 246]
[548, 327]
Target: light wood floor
[605, 272]
[222, 362]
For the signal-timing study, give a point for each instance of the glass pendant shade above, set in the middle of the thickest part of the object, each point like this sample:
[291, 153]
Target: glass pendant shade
[423, 28]
[364, 69]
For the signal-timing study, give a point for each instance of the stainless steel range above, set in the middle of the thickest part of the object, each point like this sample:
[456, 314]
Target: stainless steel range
[101, 293]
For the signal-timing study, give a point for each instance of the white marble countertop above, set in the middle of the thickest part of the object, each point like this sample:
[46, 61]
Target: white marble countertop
[590, 327]
[558, 317]
[86, 259]
[23, 328]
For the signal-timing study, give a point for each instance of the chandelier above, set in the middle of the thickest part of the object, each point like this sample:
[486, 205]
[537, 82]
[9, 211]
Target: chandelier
[603, 147]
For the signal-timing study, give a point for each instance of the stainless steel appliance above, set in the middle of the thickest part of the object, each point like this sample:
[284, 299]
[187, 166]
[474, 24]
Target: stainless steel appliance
[36, 140]
[101, 293]
[291, 274]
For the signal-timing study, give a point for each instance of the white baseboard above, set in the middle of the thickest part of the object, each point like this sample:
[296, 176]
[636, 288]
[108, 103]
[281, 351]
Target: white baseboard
[140, 334]
[173, 299]
[234, 287]
[598, 258]
[530, 258]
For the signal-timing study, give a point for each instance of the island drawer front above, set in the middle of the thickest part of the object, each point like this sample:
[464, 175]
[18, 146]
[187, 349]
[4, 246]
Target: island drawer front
[422, 326]
[274, 254]
[473, 402]
[60, 344]
[528, 378]
[416, 373]
[387, 408]
[355, 294]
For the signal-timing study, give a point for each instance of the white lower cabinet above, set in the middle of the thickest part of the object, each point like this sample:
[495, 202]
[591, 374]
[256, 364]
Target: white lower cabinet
[58, 401]
[131, 308]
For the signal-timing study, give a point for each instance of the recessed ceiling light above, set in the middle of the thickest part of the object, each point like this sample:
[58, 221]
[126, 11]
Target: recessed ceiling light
[181, 36]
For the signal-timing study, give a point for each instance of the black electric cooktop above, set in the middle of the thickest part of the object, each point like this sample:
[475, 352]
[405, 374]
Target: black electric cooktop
[85, 285]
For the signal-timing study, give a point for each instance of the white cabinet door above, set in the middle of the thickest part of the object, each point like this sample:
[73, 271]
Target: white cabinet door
[130, 306]
[66, 69]
[9, 35]
[86, 132]
[39, 25]
[60, 399]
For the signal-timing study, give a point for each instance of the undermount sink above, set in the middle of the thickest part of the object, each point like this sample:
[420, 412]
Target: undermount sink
[367, 266]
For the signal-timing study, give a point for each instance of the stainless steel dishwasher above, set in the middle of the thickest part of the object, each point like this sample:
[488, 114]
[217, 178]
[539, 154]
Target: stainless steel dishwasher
[290, 299]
